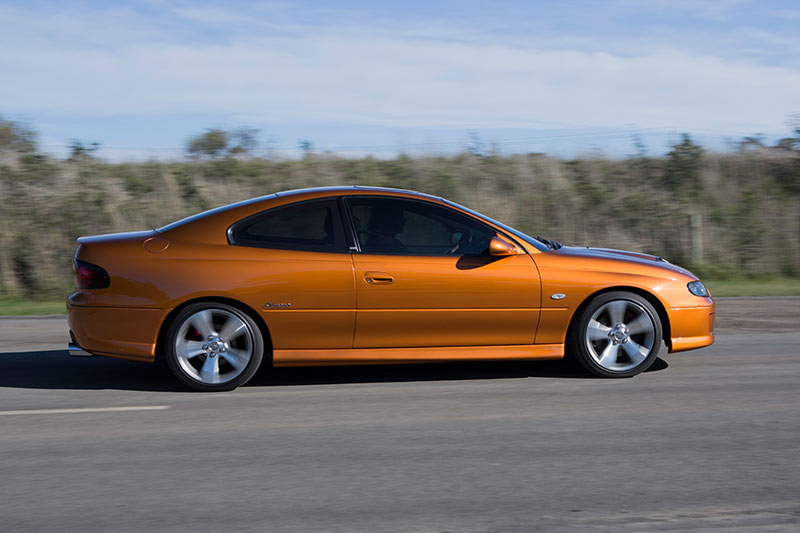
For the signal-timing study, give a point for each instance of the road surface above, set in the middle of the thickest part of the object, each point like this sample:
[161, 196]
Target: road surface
[705, 441]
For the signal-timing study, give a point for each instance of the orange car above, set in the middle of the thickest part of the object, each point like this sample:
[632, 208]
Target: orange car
[359, 275]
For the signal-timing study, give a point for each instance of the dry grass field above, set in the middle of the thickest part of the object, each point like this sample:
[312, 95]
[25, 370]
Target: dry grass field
[729, 217]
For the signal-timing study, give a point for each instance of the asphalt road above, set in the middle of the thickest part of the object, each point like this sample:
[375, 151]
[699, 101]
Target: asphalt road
[705, 441]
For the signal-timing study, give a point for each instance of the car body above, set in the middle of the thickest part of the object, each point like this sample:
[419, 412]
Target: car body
[358, 275]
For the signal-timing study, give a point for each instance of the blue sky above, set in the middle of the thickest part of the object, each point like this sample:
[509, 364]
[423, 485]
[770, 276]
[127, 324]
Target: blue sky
[369, 77]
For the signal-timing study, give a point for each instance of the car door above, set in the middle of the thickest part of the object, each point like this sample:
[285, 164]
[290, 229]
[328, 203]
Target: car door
[424, 278]
[300, 272]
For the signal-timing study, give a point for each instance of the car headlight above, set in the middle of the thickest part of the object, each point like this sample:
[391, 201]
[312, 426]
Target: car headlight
[697, 288]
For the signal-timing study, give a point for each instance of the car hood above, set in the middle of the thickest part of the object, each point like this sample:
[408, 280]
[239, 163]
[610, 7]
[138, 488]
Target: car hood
[620, 256]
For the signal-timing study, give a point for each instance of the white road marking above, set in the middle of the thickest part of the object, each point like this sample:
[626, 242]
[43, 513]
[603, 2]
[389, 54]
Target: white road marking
[85, 410]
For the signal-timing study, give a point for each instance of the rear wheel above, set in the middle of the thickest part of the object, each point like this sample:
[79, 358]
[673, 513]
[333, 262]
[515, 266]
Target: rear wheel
[617, 335]
[213, 347]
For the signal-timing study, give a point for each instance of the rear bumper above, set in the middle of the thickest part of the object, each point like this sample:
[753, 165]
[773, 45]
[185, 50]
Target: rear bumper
[127, 333]
[691, 327]
[76, 351]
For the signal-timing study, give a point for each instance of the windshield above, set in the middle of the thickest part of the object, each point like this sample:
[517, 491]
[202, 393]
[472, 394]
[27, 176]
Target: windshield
[527, 238]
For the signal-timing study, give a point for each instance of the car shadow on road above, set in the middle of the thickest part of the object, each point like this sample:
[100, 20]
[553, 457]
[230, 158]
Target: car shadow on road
[471, 370]
[56, 370]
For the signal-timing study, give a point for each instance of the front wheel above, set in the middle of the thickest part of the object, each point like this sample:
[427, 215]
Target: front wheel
[617, 335]
[213, 347]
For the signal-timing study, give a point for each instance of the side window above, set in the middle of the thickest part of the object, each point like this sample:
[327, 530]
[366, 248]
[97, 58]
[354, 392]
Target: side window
[409, 227]
[313, 226]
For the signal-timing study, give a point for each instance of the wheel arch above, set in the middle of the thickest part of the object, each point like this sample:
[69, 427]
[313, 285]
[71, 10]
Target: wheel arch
[262, 326]
[649, 296]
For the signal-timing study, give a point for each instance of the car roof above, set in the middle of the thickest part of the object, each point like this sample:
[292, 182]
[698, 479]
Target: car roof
[309, 193]
[354, 188]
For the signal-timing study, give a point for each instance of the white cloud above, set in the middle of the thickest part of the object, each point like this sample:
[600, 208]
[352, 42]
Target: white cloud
[356, 76]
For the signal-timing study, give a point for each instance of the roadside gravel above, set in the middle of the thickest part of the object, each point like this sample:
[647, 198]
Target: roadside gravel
[767, 314]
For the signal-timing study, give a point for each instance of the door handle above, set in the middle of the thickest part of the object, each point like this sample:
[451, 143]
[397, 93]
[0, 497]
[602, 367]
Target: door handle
[378, 278]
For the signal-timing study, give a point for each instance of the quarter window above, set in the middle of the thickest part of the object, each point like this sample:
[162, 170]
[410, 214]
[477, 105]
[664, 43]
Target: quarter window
[408, 227]
[312, 226]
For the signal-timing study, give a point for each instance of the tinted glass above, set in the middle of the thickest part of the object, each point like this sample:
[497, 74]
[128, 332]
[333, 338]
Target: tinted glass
[408, 227]
[527, 238]
[310, 226]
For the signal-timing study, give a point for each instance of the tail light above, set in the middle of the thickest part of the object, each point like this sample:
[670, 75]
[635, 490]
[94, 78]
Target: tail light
[89, 276]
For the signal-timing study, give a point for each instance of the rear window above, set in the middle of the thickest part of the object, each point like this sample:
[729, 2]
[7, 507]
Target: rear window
[313, 226]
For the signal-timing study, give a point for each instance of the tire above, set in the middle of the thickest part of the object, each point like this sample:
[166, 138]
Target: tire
[213, 347]
[618, 335]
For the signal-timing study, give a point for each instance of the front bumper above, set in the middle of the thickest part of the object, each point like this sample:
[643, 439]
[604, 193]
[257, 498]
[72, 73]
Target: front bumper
[691, 327]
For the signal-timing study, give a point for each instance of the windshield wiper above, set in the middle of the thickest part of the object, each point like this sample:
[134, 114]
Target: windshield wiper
[550, 244]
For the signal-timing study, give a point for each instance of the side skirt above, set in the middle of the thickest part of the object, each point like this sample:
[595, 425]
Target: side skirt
[368, 356]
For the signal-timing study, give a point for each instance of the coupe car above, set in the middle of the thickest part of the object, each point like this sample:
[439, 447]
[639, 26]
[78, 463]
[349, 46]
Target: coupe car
[362, 275]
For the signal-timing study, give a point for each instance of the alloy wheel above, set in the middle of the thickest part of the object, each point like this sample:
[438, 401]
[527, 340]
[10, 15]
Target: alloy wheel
[214, 346]
[620, 335]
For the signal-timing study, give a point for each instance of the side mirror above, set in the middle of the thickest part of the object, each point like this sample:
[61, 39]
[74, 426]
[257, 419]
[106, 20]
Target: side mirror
[500, 248]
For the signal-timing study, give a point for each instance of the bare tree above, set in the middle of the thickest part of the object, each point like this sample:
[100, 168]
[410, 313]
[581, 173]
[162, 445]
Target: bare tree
[80, 150]
[244, 141]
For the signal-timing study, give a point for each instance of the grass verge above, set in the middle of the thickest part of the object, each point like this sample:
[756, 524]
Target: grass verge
[754, 287]
[21, 307]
